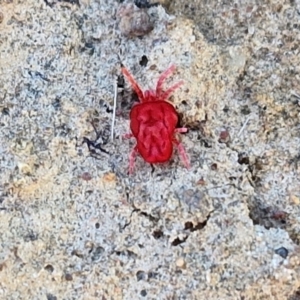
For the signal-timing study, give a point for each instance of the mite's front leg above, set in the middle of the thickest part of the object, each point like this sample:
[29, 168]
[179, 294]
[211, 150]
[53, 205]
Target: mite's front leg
[182, 152]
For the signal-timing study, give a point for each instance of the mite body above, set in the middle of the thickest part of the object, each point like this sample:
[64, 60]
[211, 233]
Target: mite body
[153, 123]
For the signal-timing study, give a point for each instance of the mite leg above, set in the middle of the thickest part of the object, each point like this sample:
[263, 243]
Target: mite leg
[132, 158]
[127, 136]
[162, 78]
[182, 153]
[134, 85]
[166, 95]
[159, 92]
[181, 130]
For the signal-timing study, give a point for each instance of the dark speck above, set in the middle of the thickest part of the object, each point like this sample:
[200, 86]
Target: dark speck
[283, 252]
[178, 241]
[184, 102]
[144, 3]
[243, 159]
[89, 45]
[120, 82]
[157, 234]
[56, 103]
[140, 275]
[77, 253]
[226, 109]
[31, 237]
[5, 111]
[51, 297]
[188, 225]
[200, 225]
[143, 293]
[214, 167]
[68, 277]
[49, 268]
[245, 110]
[206, 144]
[71, 1]
[152, 274]
[144, 61]
[97, 253]
[247, 91]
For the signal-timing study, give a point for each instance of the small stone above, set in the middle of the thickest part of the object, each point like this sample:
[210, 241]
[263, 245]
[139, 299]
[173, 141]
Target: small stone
[180, 263]
[224, 137]
[245, 110]
[68, 277]
[294, 199]
[24, 168]
[283, 252]
[97, 253]
[109, 177]
[201, 181]
[86, 176]
[134, 22]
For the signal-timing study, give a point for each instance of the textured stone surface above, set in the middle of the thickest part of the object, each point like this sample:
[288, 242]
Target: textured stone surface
[77, 226]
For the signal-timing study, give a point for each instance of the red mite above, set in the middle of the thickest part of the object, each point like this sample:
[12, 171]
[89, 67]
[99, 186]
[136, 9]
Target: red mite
[153, 123]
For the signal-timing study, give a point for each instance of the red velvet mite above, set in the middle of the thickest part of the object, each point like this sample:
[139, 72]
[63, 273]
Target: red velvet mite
[153, 123]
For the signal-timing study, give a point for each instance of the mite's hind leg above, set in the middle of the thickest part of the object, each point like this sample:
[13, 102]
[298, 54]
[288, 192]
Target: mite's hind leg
[132, 158]
[182, 152]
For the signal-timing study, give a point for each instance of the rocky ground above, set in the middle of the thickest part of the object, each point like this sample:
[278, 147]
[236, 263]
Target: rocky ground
[75, 225]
